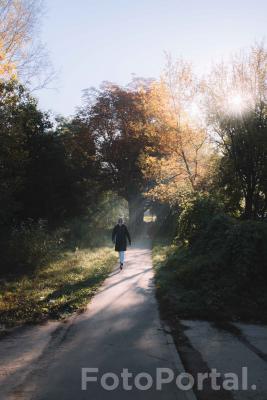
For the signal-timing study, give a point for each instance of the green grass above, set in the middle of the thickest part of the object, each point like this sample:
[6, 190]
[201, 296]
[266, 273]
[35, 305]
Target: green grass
[191, 286]
[56, 289]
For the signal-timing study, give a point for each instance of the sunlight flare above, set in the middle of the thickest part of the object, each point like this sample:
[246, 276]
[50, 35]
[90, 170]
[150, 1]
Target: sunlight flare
[238, 103]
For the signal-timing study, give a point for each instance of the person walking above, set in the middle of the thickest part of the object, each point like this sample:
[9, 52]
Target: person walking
[120, 234]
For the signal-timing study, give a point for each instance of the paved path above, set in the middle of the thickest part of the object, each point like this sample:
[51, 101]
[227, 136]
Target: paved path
[229, 347]
[120, 329]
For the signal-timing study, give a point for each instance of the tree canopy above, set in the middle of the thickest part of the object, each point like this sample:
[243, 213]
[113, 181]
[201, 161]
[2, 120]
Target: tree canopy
[154, 143]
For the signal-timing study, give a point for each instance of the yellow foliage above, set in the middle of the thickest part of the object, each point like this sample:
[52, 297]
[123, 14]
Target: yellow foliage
[7, 69]
[19, 51]
[179, 150]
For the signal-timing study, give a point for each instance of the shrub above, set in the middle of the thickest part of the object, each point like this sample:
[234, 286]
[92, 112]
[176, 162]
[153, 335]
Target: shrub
[221, 272]
[28, 245]
[246, 252]
[83, 233]
[212, 236]
[228, 250]
[195, 218]
[78, 233]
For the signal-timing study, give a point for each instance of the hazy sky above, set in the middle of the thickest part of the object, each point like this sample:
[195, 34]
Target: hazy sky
[95, 40]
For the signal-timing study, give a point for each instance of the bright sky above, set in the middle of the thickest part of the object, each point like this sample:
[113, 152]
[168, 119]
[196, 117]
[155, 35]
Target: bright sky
[91, 41]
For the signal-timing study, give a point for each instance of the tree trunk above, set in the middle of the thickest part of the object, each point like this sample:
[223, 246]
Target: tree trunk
[248, 213]
[136, 214]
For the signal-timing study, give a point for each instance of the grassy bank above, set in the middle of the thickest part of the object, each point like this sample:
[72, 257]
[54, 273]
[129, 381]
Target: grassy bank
[56, 289]
[191, 286]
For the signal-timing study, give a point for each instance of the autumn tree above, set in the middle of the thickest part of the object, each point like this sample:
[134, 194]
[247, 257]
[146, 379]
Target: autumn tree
[176, 160]
[20, 47]
[116, 118]
[7, 68]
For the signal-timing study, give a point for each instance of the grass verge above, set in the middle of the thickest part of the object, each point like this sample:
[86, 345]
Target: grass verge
[56, 289]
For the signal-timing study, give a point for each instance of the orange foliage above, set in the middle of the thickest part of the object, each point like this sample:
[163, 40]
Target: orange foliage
[7, 69]
[176, 160]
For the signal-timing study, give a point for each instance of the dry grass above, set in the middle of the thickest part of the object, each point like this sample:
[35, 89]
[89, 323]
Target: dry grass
[57, 289]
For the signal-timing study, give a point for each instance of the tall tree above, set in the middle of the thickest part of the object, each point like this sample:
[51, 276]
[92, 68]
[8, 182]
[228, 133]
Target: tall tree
[177, 158]
[20, 43]
[81, 168]
[117, 120]
[23, 130]
[44, 172]
[237, 102]
[13, 154]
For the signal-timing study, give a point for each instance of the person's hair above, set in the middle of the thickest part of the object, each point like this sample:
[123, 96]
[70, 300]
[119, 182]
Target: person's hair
[120, 220]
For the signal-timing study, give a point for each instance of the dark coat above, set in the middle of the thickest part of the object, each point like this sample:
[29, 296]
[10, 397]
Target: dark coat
[120, 235]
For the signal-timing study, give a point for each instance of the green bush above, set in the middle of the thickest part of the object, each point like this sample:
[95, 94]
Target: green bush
[28, 245]
[221, 272]
[78, 233]
[83, 233]
[238, 247]
[222, 275]
[212, 235]
[195, 218]
[246, 251]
